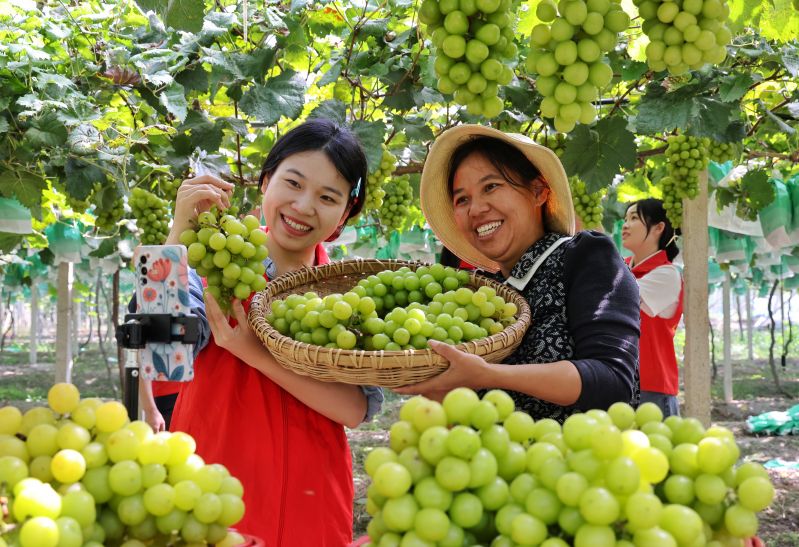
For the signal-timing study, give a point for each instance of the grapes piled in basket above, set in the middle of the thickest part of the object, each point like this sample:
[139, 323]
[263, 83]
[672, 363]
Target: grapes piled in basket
[473, 471]
[79, 473]
[395, 310]
[229, 253]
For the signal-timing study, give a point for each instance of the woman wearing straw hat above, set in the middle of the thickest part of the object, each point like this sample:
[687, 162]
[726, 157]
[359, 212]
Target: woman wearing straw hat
[502, 203]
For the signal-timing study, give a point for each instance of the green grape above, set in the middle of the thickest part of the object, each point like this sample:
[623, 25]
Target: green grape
[556, 142]
[168, 188]
[686, 158]
[566, 56]
[397, 204]
[588, 206]
[721, 151]
[470, 43]
[107, 218]
[374, 184]
[228, 253]
[151, 213]
[685, 36]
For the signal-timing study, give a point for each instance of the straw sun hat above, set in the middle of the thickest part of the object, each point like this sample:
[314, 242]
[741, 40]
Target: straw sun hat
[437, 204]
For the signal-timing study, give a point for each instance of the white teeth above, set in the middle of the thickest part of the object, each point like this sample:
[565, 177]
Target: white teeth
[296, 226]
[489, 228]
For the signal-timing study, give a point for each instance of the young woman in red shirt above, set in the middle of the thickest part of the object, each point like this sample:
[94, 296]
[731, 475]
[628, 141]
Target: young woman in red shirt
[648, 234]
[280, 433]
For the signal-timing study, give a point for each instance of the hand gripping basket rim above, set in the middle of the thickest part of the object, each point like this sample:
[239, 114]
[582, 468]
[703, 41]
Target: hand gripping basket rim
[380, 368]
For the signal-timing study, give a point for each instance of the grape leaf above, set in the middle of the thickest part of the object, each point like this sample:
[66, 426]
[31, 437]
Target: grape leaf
[47, 131]
[712, 118]
[193, 79]
[9, 242]
[27, 187]
[734, 86]
[757, 188]
[790, 58]
[174, 100]
[414, 127]
[107, 247]
[179, 14]
[283, 95]
[331, 75]
[598, 154]
[81, 177]
[332, 109]
[659, 111]
[371, 135]
[724, 197]
[297, 5]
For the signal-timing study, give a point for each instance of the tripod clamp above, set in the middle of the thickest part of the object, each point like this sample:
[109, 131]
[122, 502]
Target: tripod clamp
[140, 329]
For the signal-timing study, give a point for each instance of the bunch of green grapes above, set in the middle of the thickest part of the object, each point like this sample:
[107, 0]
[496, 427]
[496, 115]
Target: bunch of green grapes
[397, 204]
[556, 142]
[229, 253]
[475, 471]
[588, 206]
[79, 473]
[687, 157]
[395, 310]
[684, 35]
[168, 188]
[78, 205]
[672, 200]
[375, 181]
[567, 55]
[721, 151]
[152, 216]
[471, 39]
[108, 218]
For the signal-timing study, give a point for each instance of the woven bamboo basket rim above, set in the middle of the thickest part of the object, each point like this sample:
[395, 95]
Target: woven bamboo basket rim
[361, 367]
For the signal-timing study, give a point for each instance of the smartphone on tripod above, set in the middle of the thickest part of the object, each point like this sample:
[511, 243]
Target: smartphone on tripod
[162, 289]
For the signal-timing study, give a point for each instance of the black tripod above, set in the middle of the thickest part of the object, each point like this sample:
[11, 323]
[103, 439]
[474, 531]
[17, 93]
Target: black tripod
[140, 329]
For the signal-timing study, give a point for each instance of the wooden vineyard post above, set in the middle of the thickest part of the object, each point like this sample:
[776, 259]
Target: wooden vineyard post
[63, 340]
[728, 395]
[33, 355]
[749, 335]
[696, 364]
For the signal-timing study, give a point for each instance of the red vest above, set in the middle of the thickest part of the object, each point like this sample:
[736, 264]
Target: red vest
[657, 359]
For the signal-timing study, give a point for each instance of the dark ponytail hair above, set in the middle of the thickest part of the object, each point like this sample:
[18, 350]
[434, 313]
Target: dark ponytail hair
[339, 144]
[651, 212]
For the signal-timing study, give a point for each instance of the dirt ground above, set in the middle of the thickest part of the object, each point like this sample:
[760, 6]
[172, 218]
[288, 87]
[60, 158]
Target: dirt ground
[25, 385]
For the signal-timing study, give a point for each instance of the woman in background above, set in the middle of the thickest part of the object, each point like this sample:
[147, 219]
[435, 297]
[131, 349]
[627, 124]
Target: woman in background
[648, 234]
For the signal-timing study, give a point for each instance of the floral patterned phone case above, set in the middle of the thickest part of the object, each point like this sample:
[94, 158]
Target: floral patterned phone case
[162, 287]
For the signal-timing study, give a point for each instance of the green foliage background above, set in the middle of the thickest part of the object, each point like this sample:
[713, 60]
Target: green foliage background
[97, 98]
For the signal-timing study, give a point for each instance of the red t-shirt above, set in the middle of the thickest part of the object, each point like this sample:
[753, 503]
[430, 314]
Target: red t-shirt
[294, 463]
[161, 388]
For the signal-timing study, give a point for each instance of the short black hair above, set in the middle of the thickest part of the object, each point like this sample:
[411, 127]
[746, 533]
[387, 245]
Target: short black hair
[651, 212]
[339, 144]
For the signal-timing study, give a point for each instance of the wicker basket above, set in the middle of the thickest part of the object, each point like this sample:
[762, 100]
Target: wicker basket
[380, 368]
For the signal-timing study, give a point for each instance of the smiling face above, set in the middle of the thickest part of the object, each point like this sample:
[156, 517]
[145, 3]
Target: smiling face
[636, 238]
[305, 200]
[501, 220]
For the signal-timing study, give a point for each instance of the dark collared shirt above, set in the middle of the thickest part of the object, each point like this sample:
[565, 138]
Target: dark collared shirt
[585, 309]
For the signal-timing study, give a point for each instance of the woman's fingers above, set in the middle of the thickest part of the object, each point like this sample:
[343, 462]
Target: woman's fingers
[239, 313]
[210, 179]
[201, 197]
